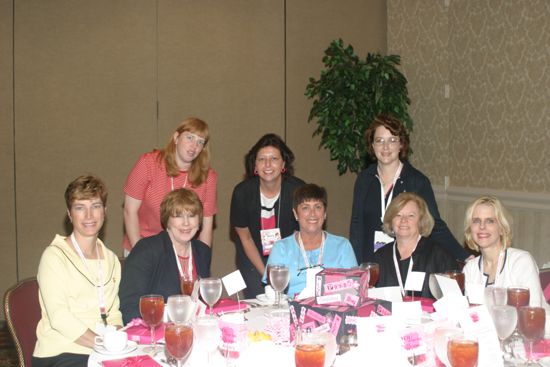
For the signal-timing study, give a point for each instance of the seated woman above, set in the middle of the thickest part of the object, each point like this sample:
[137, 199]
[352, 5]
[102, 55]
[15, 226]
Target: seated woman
[78, 278]
[487, 229]
[157, 263]
[409, 221]
[310, 247]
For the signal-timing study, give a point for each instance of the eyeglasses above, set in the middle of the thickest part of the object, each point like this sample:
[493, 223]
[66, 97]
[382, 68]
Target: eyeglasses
[392, 140]
[484, 222]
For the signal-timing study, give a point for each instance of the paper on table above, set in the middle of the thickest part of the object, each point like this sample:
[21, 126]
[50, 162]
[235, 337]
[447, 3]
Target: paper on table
[309, 290]
[408, 312]
[378, 337]
[475, 293]
[451, 306]
[233, 282]
[391, 294]
[448, 286]
[477, 322]
[415, 281]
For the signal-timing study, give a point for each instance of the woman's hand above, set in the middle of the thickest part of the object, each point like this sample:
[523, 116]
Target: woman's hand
[250, 249]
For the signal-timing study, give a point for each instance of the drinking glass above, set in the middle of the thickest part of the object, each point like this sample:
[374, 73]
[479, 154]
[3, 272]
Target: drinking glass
[180, 308]
[458, 276]
[531, 322]
[462, 352]
[187, 284]
[179, 341]
[505, 319]
[441, 339]
[309, 351]
[500, 296]
[151, 308]
[374, 271]
[279, 277]
[517, 297]
[211, 290]
[208, 334]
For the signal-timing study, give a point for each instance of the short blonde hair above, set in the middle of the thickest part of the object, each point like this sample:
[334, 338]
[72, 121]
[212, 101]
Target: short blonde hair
[178, 201]
[502, 216]
[425, 222]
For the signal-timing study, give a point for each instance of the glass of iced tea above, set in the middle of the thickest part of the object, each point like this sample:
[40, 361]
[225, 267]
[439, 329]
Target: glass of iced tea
[309, 355]
[518, 296]
[458, 276]
[187, 284]
[151, 308]
[179, 341]
[531, 321]
[462, 352]
[374, 271]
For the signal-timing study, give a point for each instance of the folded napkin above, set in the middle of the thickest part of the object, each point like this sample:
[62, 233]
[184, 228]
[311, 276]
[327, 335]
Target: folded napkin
[540, 348]
[226, 305]
[141, 361]
[140, 332]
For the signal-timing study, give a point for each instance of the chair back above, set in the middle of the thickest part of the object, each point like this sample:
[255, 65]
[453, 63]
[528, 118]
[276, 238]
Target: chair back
[544, 276]
[22, 310]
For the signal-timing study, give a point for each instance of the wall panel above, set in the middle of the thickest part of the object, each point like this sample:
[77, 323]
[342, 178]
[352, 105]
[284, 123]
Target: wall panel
[223, 62]
[311, 26]
[84, 102]
[8, 243]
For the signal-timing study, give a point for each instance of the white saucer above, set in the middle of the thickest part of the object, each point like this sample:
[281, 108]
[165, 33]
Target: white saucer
[269, 301]
[130, 347]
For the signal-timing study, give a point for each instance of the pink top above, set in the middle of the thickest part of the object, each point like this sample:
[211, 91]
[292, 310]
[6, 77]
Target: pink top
[149, 182]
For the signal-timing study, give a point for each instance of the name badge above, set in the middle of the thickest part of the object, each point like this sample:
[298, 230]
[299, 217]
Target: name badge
[269, 237]
[381, 239]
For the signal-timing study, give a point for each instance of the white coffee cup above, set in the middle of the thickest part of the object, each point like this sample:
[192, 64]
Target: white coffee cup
[113, 341]
[269, 292]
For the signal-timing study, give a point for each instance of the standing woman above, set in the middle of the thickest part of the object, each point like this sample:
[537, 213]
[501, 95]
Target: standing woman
[261, 207]
[388, 142]
[184, 163]
[78, 280]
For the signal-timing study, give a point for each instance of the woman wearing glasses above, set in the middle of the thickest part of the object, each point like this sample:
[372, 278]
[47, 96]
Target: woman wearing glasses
[388, 142]
[310, 248]
[184, 163]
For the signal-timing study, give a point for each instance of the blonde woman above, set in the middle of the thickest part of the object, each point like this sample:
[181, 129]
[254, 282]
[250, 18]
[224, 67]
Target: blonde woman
[487, 229]
[409, 221]
[184, 163]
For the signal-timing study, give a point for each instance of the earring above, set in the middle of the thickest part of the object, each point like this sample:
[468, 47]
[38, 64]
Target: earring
[255, 172]
[283, 170]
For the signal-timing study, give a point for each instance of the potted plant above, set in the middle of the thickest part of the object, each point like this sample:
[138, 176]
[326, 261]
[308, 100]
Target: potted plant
[348, 95]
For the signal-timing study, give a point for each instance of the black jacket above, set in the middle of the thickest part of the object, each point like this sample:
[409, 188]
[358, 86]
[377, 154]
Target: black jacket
[366, 210]
[428, 257]
[151, 268]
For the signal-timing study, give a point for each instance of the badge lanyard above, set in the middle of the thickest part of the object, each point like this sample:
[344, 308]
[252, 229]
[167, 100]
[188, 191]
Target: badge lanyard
[499, 268]
[100, 288]
[383, 203]
[189, 263]
[396, 264]
[184, 182]
[304, 254]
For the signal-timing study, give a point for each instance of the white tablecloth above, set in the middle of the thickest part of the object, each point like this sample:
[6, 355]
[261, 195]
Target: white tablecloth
[267, 352]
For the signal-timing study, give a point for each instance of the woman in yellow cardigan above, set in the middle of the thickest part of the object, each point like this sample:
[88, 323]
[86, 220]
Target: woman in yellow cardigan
[78, 278]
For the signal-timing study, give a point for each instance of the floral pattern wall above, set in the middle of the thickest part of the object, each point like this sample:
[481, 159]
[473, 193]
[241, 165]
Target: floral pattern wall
[479, 80]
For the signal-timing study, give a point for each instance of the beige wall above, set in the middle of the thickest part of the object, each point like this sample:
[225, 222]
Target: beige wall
[492, 134]
[88, 77]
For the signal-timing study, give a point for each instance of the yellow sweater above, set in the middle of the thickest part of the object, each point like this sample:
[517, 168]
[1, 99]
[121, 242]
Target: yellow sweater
[69, 300]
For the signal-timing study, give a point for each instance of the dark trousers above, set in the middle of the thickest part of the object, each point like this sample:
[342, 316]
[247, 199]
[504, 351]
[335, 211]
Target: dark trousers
[62, 360]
